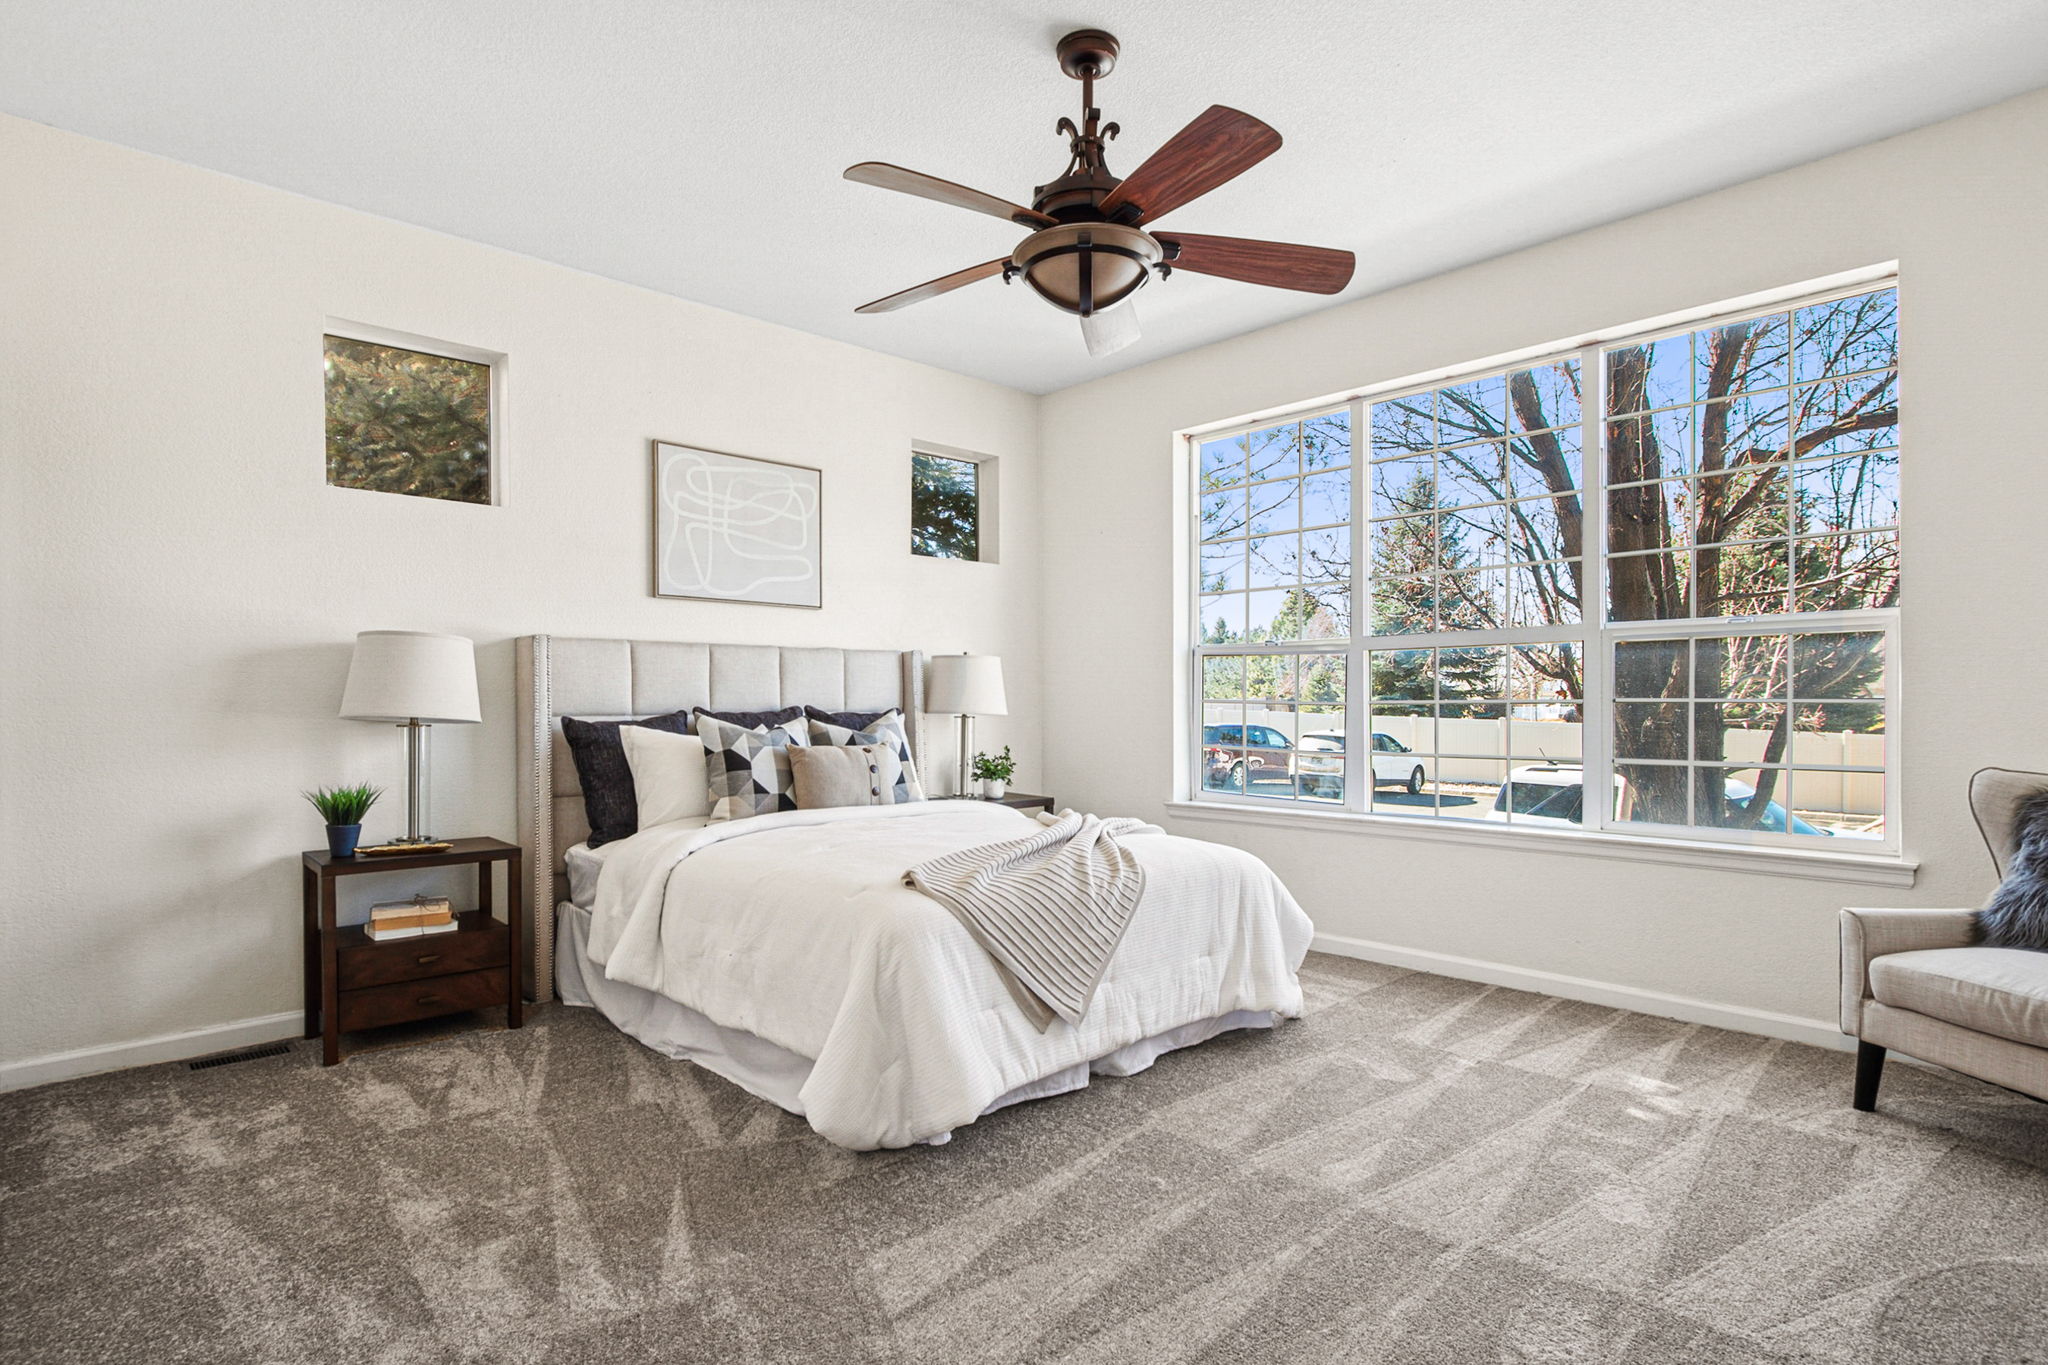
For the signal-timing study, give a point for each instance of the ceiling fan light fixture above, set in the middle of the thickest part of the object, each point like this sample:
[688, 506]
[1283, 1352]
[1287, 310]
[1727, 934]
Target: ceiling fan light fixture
[1091, 245]
[1082, 268]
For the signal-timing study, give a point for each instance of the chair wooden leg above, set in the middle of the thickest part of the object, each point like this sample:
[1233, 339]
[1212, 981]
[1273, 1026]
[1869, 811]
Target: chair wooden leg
[1869, 1071]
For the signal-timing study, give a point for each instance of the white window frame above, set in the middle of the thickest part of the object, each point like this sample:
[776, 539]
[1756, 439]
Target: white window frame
[1881, 861]
[495, 361]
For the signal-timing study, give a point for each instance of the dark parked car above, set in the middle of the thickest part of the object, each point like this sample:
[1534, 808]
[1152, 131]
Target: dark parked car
[1237, 757]
[1267, 756]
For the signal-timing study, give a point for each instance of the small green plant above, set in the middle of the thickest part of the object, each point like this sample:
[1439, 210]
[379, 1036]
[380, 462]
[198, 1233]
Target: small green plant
[1000, 768]
[344, 805]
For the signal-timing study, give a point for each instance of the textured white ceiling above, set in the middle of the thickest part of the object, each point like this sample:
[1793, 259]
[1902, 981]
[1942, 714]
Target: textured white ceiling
[695, 148]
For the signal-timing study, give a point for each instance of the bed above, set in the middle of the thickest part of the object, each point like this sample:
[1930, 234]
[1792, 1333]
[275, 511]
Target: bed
[784, 952]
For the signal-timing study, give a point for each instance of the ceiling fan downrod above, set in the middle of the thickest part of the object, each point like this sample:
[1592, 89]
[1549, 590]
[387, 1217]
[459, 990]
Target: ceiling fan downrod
[1087, 55]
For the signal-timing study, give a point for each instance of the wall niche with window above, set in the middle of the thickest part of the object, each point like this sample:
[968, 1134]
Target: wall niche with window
[411, 415]
[953, 502]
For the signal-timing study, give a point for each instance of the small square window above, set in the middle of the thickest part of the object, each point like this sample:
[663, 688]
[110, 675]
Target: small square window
[945, 507]
[408, 421]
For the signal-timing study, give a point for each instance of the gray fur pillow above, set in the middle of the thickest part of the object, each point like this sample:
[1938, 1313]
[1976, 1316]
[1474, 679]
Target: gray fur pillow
[2017, 916]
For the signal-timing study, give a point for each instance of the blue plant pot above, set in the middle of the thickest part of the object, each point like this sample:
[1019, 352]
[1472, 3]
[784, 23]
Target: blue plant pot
[342, 840]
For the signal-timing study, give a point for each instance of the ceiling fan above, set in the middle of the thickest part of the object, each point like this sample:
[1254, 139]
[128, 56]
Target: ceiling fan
[1091, 246]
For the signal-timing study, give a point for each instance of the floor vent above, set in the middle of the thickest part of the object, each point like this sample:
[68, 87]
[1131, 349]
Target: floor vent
[230, 1058]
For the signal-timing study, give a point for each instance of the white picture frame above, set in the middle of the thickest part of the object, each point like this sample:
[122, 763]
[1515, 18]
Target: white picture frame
[733, 528]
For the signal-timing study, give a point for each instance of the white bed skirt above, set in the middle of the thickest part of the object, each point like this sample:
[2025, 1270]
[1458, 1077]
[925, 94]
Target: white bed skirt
[775, 1073]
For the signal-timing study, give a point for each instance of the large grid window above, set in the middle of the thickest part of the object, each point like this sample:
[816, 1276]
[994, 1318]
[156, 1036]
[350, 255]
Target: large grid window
[1664, 568]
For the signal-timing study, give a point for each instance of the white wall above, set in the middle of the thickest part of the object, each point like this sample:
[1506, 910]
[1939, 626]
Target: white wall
[181, 588]
[1963, 207]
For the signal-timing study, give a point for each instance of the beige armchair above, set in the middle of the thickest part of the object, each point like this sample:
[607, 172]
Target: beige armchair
[1912, 981]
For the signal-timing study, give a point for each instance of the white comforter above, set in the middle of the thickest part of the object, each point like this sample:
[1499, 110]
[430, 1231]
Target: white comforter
[797, 928]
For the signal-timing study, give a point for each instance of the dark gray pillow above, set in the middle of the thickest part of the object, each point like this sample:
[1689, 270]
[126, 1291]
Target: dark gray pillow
[2017, 916]
[754, 720]
[608, 800]
[848, 720]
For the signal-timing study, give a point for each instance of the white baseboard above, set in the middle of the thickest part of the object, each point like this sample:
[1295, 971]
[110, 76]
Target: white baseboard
[1740, 1018]
[269, 1028]
[167, 1047]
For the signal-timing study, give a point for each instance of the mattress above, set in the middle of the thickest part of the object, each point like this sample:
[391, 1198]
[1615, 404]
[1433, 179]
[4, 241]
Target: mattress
[775, 1073]
[583, 862]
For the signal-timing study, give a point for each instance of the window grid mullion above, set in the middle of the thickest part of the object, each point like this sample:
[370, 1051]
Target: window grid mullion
[1596, 708]
[1198, 689]
[1358, 772]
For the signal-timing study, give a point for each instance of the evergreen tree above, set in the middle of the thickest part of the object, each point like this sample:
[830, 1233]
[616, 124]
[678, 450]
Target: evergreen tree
[401, 421]
[1424, 579]
[945, 508]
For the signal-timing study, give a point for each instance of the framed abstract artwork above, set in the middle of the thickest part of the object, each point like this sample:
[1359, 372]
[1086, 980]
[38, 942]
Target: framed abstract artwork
[730, 528]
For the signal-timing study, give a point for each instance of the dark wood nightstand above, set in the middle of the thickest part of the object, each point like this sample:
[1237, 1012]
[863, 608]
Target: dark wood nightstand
[355, 983]
[1019, 801]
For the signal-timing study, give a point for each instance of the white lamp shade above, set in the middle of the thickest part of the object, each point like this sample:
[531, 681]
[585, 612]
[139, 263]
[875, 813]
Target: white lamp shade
[966, 685]
[400, 675]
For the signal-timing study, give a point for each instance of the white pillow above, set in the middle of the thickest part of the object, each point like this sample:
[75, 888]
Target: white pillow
[668, 774]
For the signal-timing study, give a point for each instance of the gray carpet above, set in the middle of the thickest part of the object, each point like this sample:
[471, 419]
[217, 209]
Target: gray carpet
[1422, 1170]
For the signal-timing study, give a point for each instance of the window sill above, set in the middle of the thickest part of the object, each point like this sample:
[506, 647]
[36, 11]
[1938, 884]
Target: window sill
[1862, 869]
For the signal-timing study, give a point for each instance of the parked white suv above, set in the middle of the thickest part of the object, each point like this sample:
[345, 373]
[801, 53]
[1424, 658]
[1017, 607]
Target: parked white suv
[1552, 794]
[1321, 759]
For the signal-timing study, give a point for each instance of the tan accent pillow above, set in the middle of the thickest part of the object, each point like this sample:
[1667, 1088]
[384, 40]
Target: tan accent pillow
[826, 775]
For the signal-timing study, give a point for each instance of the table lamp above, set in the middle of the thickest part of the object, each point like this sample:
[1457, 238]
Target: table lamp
[966, 685]
[413, 679]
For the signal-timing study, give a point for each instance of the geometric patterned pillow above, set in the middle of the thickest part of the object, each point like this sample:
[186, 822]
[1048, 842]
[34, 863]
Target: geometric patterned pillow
[746, 772]
[885, 728]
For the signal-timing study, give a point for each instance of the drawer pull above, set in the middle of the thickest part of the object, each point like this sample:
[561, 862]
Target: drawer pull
[424, 958]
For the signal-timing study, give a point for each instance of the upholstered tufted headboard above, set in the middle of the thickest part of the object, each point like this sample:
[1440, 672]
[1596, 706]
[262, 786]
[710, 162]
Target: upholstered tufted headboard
[556, 676]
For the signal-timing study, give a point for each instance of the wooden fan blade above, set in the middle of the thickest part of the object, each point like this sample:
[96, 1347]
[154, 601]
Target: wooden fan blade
[884, 176]
[1283, 265]
[1220, 145]
[931, 289]
[1110, 330]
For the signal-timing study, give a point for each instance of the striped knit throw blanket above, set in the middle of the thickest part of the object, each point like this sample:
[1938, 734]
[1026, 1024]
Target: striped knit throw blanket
[1050, 908]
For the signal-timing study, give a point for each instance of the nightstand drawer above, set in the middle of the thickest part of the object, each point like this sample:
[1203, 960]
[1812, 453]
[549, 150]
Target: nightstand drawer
[406, 1000]
[480, 942]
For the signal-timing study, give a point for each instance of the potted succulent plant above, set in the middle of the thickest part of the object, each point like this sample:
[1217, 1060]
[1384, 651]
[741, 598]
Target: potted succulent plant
[995, 773]
[343, 808]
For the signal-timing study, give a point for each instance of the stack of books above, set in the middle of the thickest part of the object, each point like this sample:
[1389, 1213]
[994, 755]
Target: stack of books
[413, 918]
